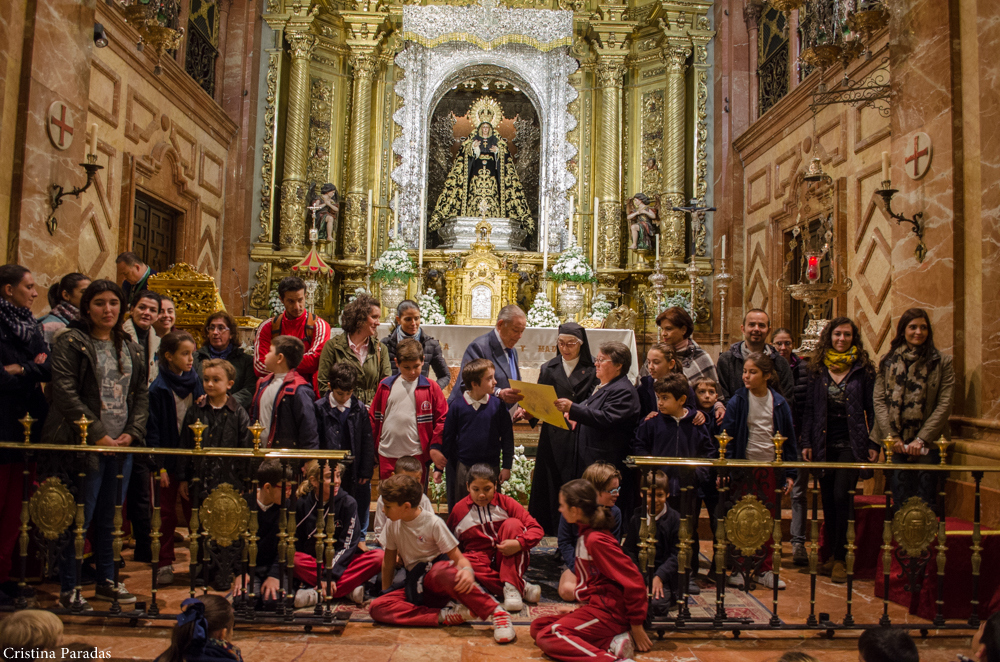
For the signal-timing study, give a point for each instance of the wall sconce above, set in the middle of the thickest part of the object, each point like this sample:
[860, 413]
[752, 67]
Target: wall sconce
[58, 192]
[100, 36]
[887, 192]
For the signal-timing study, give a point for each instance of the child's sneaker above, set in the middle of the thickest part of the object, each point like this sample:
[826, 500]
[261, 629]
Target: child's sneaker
[358, 595]
[767, 580]
[621, 646]
[109, 591]
[532, 592]
[512, 598]
[735, 580]
[454, 613]
[306, 597]
[503, 629]
[67, 598]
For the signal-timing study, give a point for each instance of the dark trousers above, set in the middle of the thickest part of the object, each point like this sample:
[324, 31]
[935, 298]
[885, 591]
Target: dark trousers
[138, 507]
[906, 484]
[835, 486]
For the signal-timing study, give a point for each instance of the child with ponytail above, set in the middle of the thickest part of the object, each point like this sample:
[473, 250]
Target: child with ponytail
[204, 628]
[610, 589]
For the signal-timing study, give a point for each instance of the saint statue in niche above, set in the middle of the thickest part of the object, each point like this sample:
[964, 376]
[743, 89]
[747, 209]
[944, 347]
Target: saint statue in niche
[326, 217]
[644, 222]
[483, 177]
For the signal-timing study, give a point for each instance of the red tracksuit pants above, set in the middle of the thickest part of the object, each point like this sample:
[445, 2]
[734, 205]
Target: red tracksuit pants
[493, 569]
[362, 567]
[439, 589]
[584, 634]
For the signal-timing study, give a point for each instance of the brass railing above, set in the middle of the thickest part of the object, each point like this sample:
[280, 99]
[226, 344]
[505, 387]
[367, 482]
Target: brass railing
[223, 524]
[745, 527]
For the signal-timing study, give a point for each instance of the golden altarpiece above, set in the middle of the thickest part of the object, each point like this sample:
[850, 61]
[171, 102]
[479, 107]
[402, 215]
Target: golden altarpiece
[598, 102]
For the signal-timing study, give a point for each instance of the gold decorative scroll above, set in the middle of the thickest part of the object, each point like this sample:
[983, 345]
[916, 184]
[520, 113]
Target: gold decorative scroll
[914, 526]
[225, 515]
[485, 44]
[52, 508]
[748, 525]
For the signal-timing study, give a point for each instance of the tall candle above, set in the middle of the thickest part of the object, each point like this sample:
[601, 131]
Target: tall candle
[368, 252]
[594, 231]
[569, 223]
[423, 229]
[723, 247]
[885, 166]
[395, 216]
[657, 246]
[545, 242]
[93, 139]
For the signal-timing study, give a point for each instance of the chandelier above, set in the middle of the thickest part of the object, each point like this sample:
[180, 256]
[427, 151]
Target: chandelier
[156, 23]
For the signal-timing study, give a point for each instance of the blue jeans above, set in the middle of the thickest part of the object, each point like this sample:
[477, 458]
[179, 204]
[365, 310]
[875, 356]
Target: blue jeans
[100, 495]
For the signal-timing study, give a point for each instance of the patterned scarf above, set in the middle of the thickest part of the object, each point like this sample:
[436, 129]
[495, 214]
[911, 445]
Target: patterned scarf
[840, 361]
[224, 354]
[67, 311]
[20, 321]
[907, 378]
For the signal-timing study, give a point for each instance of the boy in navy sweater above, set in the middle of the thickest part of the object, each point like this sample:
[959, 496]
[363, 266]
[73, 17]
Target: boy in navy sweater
[478, 428]
[668, 523]
[344, 424]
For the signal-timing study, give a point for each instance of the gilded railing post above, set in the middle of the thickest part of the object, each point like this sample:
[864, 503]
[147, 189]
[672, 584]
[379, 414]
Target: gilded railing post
[977, 550]
[849, 559]
[675, 55]
[292, 233]
[813, 548]
[21, 601]
[117, 533]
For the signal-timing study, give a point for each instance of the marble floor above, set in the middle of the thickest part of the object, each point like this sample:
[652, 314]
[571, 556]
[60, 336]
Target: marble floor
[374, 643]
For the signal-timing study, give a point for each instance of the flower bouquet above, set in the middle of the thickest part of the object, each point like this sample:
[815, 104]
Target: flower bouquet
[572, 265]
[519, 485]
[394, 264]
[430, 308]
[542, 314]
[679, 300]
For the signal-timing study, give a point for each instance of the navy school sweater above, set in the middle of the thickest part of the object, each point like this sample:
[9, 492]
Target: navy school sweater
[664, 436]
[472, 435]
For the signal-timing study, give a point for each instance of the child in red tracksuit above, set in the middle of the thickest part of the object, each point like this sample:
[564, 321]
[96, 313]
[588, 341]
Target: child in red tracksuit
[408, 413]
[610, 589]
[496, 534]
[440, 588]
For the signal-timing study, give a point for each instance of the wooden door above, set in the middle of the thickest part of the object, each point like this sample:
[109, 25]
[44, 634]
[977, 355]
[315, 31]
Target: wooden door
[153, 233]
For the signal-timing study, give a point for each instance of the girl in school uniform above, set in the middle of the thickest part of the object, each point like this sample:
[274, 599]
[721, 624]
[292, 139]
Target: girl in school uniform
[608, 625]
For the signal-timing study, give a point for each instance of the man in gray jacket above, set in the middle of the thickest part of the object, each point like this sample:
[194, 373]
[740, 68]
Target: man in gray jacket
[756, 326]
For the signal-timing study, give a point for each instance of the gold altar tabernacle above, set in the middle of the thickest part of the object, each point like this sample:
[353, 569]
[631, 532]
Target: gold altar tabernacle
[480, 284]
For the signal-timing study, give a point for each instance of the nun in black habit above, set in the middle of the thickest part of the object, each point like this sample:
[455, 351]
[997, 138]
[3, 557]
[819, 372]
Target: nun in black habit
[573, 375]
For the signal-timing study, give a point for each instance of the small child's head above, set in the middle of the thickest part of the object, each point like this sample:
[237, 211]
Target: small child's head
[410, 358]
[758, 371]
[661, 360]
[270, 475]
[671, 394]
[887, 645]
[343, 380]
[285, 354]
[578, 504]
[482, 484]
[707, 392]
[479, 378]
[212, 613]
[29, 631]
[217, 377]
[319, 475]
[606, 479]
[409, 466]
[401, 498]
[177, 350]
[661, 489]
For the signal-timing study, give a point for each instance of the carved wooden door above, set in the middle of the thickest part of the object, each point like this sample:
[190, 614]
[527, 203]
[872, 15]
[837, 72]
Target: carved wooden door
[153, 233]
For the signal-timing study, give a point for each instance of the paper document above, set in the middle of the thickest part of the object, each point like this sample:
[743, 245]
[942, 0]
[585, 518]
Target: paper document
[540, 402]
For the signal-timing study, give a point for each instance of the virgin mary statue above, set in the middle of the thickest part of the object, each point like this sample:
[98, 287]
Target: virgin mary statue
[482, 179]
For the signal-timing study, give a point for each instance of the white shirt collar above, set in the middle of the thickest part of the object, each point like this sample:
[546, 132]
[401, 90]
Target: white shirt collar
[500, 340]
[476, 404]
[570, 366]
[663, 511]
[337, 405]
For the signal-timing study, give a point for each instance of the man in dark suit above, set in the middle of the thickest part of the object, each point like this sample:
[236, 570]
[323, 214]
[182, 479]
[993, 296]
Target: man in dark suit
[498, 346]
[133, 273]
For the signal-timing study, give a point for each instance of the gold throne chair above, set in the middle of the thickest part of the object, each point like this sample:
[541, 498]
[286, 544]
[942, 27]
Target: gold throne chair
[480, 283]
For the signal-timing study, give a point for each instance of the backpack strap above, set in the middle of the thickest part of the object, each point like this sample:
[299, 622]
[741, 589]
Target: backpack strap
[310, 327]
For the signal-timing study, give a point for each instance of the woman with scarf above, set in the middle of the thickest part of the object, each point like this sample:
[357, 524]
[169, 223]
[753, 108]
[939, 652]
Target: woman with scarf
[203, 632]
[573, 375]
[913, 395]
[838, 405]
[358, 345]
[175, 389]
[64, 301]
[408, 326]
[222, 343]
[24, 355]
[676, 329]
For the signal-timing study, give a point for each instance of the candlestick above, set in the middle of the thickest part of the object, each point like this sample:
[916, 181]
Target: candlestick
[93, 139]
[723, 247]
[596, 208]
[885, 166]
[368, 250]
[421, 234]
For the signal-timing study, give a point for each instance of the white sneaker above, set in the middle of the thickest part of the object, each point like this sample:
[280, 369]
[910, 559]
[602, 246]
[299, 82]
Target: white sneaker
[503, 629]
[306, 597]
[767, 581]
[621, 646]
[735, 580]
[454, 613]
[165, 576]
[532, 592]
[512, 598]
[358, 595]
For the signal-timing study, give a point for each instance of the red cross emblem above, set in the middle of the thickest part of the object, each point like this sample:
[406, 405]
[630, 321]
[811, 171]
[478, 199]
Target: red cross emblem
[918, 156]
[60, 123]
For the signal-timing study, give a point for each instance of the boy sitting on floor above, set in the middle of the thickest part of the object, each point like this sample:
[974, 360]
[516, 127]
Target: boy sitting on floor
[668, 523]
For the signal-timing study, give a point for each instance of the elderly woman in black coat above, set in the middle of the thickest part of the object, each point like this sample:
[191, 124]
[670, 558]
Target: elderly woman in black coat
[605, 422]
[573, 375]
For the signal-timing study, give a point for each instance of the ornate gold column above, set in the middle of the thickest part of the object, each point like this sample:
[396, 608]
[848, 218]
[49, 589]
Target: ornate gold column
[608, 181]
[293, 184]
[674, 150]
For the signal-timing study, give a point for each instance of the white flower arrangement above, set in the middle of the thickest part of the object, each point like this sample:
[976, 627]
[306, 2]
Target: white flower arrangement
[572, 265]
[358, 291]
[519, 485]
[437, 492]
[274, 301]
[600, 308]
[394, 263]
[542, 315]
[430, 308]
[679, 300]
